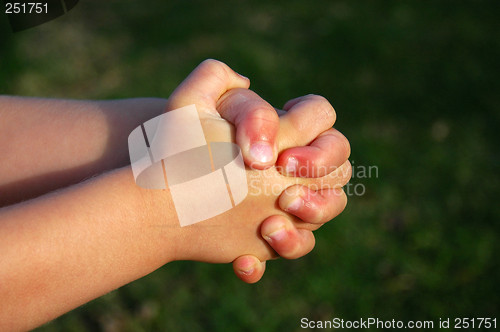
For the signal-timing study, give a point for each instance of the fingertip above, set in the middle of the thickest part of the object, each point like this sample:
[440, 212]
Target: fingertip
[325, 154]
[313, 206]
[256, 132]
[257, 125]
[260, 155]
[285, 239]
[304, 162]
[249, 269]
[308, 240]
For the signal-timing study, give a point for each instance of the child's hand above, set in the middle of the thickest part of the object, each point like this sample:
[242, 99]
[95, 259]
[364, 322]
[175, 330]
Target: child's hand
[67, 247]
[307, 118]
[317, 151]
[70, 246]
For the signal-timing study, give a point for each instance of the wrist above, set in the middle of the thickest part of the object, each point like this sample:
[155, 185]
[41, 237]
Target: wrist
[152, 217]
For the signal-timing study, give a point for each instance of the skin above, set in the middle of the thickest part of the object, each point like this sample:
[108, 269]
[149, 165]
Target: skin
[55, 143]
[67, 248]
[95, 131]
[79, 243]
[256, 122]
[128, 231]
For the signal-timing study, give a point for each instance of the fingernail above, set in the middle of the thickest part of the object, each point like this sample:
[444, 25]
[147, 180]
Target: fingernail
[295, 205]
[247, 270]
[261, 152]
[291, 165]
[276, 236]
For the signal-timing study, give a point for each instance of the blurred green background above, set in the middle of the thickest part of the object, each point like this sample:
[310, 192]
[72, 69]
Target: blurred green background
[415, 86]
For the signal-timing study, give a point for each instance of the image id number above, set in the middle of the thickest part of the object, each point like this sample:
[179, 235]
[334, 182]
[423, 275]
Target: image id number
[26, 8]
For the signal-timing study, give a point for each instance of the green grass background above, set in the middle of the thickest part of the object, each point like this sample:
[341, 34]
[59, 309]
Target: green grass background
[415, 86]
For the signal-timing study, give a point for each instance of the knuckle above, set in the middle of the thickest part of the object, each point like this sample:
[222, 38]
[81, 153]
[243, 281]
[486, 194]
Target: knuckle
[344, 147]
[294, 252]
[317, 166]
[211, 63]
[317, 210]
[323, 109]
[320, 218]
[309, 246]
[344, 200]
[346, 173]
[215, 68]
[321, 164]
[297, 124]
[301, 248]
[263, 115]
[337, 206]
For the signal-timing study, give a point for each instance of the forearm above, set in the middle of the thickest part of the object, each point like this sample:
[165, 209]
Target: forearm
[67, 248]
[48, 143]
